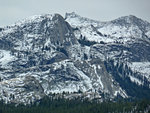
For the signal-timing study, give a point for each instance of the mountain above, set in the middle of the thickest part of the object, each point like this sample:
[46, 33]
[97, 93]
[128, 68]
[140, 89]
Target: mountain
[71, 57]
[123, 44]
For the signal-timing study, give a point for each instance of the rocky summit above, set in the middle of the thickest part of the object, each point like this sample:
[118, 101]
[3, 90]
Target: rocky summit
[74, 57]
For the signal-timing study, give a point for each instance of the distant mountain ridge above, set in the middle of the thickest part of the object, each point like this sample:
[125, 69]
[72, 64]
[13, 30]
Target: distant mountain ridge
[47, 55]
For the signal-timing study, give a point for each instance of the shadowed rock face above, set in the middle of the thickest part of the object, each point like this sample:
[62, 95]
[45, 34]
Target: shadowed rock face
[1, 29]
[45, 54]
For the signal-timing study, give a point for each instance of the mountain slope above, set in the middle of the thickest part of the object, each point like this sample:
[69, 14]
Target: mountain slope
[48, 55]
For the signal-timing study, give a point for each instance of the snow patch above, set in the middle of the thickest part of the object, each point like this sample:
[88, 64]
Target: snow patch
[133, 79]
[5, 57]
[141, 67]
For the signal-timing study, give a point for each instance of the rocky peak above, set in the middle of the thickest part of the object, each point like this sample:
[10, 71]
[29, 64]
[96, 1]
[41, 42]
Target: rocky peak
[71, 15]
[77, 20]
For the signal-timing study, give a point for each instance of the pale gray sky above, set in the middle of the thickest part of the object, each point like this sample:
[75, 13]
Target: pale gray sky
[103, 10]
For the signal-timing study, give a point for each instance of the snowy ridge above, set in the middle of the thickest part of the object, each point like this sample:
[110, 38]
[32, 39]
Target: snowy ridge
[90, 34]
[76, 20]
[123, 29]
[35, 19]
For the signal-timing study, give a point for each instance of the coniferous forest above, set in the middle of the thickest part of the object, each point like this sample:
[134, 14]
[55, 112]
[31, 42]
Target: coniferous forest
[47, 105]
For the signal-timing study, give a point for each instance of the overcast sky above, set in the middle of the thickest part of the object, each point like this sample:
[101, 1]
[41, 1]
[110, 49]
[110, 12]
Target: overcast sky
[103, 10]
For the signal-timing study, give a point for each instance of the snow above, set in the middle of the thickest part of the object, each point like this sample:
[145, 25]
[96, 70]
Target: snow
[141, 67]
[70, 88]
[82, 76]
[5, 57]
[121, 31]
[123, 93]
[133, 79]
[8, 87]
[116, 93]
[90, 34]
[112, 32]
[48, 42]
[148, 34]
[7, 30]
[88, 83]
[35, 18]
[76, 20]
[13, 90]
[99, 81]
[12, 82]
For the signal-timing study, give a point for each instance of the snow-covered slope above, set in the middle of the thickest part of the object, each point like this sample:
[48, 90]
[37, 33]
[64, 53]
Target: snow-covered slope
[124, 40]
[124, 29]
[76, 20]
[46, 55]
